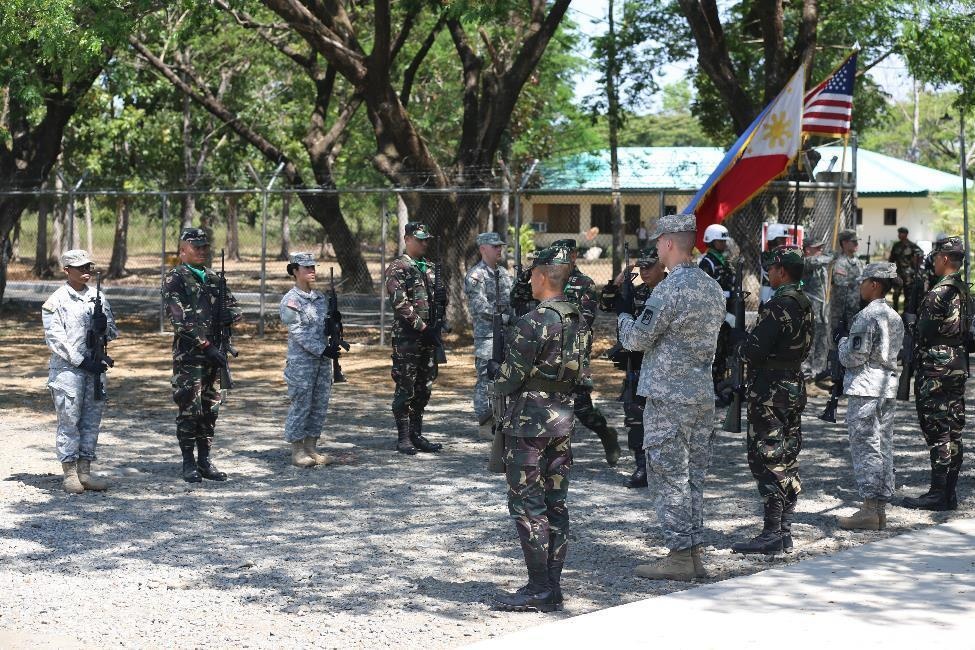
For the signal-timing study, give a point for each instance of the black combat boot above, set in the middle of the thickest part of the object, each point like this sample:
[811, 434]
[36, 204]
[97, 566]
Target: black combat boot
[788, 512]
[416, 435]
[537, 595]
[190, 472]
[203, 463]
[936, 498]
[611, 445]
[555, 581]
[951, 484]
[638, 479]
[769, 541]
[403, 444]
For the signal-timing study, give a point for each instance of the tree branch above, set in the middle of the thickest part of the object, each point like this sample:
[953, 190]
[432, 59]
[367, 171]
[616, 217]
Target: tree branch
[264, 32]
[410, 73]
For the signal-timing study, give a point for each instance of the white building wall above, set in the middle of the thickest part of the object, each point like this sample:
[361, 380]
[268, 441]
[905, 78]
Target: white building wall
[914, 213]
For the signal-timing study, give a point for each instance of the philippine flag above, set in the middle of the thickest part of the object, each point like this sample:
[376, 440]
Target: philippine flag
[761, 154]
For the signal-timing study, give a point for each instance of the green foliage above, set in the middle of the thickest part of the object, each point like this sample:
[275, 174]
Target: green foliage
[526, 238]
[938, 45]
[949, 217]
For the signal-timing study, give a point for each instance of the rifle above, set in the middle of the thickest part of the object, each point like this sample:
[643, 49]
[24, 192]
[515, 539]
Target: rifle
[909, 347]
[866, 258]
[732, 420]
[836, 372]
[626, 293]
[438, 310]
[220, 334]
[335, 332]
[498, 402]
[97, 340]
[521, 291]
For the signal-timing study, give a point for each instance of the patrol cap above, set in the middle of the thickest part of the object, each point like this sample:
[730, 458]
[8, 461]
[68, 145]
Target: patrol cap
[568, 244]
[674, 223]
[880, 271]
[75, 257]
[489, 239]
[815, 243]
[302, 259]
[648, 256]
[782, 255]
[548, 256]
[903, 230]
[195, 236]
[418, 230]
[949, 245]
[848, 235]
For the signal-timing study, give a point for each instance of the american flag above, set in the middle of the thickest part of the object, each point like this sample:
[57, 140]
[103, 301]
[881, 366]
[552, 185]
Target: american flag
[828, 107]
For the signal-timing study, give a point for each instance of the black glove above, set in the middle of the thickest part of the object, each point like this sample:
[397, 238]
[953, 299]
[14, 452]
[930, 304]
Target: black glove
[429, 336]
[99, 322]
[330, 352]
[215, 357]
[88, 364]
[621, 305]
[493, 369]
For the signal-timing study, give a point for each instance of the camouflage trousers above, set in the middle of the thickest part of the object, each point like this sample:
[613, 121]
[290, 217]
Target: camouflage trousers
[940, 402]
[870, 422]
[677, 441]
[775, 436]
[818, 353]
[537, 473]
[196, 394]
[79, 415]
[414, 371]
[309, 392]
[633, 421]
[482, 391]
[587, 412]
[719, 367]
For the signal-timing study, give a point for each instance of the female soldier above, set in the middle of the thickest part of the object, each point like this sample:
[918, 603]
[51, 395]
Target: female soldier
[308, 370]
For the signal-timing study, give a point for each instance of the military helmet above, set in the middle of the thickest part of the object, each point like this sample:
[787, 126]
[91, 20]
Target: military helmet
[716, 232]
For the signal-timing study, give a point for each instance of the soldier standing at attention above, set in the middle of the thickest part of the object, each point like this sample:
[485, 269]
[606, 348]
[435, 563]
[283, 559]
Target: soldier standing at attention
[652, 271]
[581, 290]
[844, 298]
[481, 294]
[543, 361]
[907, 256]
[869, 355]
[943, 323]
[409, 285]
[308, 369]
[774, 350]
[715, 263]
[74, 371]
[814, 286]
[190, 293]
[676, 331]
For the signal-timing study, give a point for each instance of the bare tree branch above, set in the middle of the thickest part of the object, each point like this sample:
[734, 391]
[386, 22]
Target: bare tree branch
[409, 75]
[264, 32]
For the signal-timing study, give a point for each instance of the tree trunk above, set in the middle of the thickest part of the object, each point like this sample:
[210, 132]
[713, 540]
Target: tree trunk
[285, 228]
[59, 243]
[41, 267]
[120, 253]
[233, 231]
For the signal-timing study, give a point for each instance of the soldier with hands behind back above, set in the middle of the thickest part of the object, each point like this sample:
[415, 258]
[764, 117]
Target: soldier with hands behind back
[907, 256]
[844, 297]
[714, 262]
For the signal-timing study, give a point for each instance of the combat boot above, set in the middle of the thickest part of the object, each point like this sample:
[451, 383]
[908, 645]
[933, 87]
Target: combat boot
[678, 565]
[555, 581]
[788, 512]
[951, 486]
[204, 465]
[403, 443]
[72, 485]
[936, 498]
[638, 479]
[416, 436]
[611, 445]
[310, 445]
[769, 541]
[299, 456]
[536, 596]
[191, 474]
[871, 516]
[697, 554]
[87, 480]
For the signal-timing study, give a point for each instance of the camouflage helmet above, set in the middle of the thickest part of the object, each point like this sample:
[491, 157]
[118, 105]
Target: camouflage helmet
[568, 244]
[848, 235]
[648, 256]
[880, 271]
[417, 230]
[782, 255]
[549, 256]
[195, 236]
[950, 245]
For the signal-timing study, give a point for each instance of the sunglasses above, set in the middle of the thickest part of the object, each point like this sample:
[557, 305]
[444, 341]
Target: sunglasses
[83, 267]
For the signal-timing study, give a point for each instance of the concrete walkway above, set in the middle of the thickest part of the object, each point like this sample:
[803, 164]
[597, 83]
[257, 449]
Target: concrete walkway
[915, 590]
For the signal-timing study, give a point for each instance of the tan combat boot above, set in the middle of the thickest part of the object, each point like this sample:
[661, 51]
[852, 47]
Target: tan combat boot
[697, 554]
[300, 457]
[320, 459]
[87, 480]
[71, 483]
[870, 516]
[678, 565]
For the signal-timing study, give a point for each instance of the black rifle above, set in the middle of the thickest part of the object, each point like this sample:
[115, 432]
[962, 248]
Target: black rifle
[521, 291]
[732, 420]
[97, 340]
[626, 293]
[498, 401]
[438, 310]
[836, 372]
[335, 332]
[866, 258]
[220, 334]
[909, 347]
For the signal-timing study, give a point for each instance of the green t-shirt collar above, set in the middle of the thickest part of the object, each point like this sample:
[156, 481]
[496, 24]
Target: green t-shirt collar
[199, 273]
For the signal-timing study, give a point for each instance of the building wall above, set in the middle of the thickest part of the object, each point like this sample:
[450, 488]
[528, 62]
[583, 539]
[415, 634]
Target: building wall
[914, 213]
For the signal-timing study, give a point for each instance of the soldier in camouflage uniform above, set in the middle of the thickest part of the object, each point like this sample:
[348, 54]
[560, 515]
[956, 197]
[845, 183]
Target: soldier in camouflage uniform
[410, 287]
[814, 279]
[652, 272]
[308, 369]
[778, 234]
[74, 371]
[190, 292]
[676, 331]
[715, 263]
[943, 325]
[481, 293]
[774, 350]
[844, 297]
[907, 256]
[869, 355]
[581, 290]
[543, 361]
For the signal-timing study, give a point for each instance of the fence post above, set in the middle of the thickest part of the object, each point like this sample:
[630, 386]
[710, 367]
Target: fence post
[517, 197]
[162, 264]
[384, 228]
[264, 202]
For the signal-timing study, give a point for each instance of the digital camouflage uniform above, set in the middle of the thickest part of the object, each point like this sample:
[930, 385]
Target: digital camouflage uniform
[844, 297]
[715, 264]
[307, 371]
[906, 255]
[814, 279]
[676, 332]
[481, 297]
[774, 350]
[66, 315]
[869, 355]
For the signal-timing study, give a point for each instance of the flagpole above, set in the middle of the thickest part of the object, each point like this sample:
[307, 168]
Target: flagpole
[839, 193]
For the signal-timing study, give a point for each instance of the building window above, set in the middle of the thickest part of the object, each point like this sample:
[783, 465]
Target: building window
[563, 217]
[631, 216]
[859, 216]
[670, 209]
[890, 216]
[601, 217]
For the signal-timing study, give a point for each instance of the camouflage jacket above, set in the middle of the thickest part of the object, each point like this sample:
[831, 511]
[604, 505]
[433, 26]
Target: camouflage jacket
[780, 340]
[713, 263]
[581, 290]
[678, 331]
[641, 293]
[410, 292]
[870, 352]
[814, 282]
[66, 315]
[844, 299]
[480, 290]
[940, 327]
[905, 255]
[190, 305]
[535, 354]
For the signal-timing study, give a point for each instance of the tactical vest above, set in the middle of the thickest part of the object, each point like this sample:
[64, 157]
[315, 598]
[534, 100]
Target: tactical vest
[574, 343]
[790, 359]
[965, 335]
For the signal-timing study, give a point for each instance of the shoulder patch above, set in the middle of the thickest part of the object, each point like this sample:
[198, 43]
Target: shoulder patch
[857, 342]
[49, 305]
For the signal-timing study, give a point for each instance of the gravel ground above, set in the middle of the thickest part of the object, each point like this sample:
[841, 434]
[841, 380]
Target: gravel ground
[379, 549]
